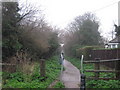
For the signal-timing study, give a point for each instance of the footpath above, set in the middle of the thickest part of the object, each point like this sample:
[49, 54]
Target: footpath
[70, 76]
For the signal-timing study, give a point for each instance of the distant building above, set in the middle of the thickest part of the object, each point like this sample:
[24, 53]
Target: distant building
[113, 43]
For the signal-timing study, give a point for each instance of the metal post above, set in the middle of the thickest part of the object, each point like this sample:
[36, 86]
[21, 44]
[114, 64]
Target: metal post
[61, 68]
[61, 61]
[82, 85]
[82, 64]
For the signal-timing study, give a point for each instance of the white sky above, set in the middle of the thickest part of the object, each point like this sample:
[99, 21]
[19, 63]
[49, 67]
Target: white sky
[61, 12]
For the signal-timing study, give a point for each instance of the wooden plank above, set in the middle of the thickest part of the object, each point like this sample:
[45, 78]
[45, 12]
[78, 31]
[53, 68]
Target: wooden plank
[97, 67]
[117, 68]
[11, 68]
[93, 78]
[6, 64]
[100, 61]
[42, 68]
[105, 71]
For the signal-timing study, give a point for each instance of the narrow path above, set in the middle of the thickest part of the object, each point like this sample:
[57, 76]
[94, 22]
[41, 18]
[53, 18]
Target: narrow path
[53, 84]
[71, 76]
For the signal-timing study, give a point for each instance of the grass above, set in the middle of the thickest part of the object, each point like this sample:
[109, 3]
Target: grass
[96, 83]
[34, 80]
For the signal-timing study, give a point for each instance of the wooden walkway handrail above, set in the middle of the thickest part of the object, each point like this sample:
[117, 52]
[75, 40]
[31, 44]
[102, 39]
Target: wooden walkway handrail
[100, 61]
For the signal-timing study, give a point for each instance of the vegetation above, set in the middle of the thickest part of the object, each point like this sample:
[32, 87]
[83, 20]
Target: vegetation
[83, 31]
[25, 32]
[117, 30]
[26, 39]
[34, 80]
[59, 85]
[86, 51]
[10, 17]
[96, 83]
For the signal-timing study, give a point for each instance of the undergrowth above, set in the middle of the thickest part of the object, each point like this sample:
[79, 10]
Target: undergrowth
[59, 85]
[34, 80]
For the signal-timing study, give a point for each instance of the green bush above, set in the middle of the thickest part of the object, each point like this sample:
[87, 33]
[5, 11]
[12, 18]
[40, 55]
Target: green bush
[79, 52]
[86, 51]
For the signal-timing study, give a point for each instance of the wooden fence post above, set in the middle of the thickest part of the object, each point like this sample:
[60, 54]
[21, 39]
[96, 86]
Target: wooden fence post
[117, 68]
[97, 67]
[42, 67]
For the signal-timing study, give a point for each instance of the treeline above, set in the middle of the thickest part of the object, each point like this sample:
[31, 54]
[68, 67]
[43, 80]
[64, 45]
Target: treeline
[23, 32]
[82, 32]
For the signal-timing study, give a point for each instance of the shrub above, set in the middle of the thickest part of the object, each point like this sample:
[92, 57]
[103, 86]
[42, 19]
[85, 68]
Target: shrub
[86, 51]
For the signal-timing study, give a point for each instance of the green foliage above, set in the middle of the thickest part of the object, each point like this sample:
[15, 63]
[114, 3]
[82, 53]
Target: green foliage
[53, 44]
[10, 17]
[32, 37]
[105, 75]
[77, 51]
[59, 85]
[74, 61]
[86, 51]
[21, 80]
[103, 84]
[117, 30]
[22, 33]
[73, 49]
[83, 32]
[43, 42]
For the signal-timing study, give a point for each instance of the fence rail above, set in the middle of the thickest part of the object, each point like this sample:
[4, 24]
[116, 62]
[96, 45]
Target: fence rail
[97, 70]
[107, 55]
[6, 64]
[102, 78]
[98, 61]
[105, 71]
[8, 67]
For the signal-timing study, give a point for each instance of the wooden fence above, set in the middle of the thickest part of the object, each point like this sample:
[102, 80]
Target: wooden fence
[6, 67]
[106, 54]
[109, 58]
[97, 70]
[12, 68]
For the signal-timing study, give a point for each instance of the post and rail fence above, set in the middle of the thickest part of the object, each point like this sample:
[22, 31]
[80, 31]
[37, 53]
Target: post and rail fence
[97, 70]
[109, 58]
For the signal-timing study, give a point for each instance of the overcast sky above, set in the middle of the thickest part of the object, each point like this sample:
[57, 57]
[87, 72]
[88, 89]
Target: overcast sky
[61, 12]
